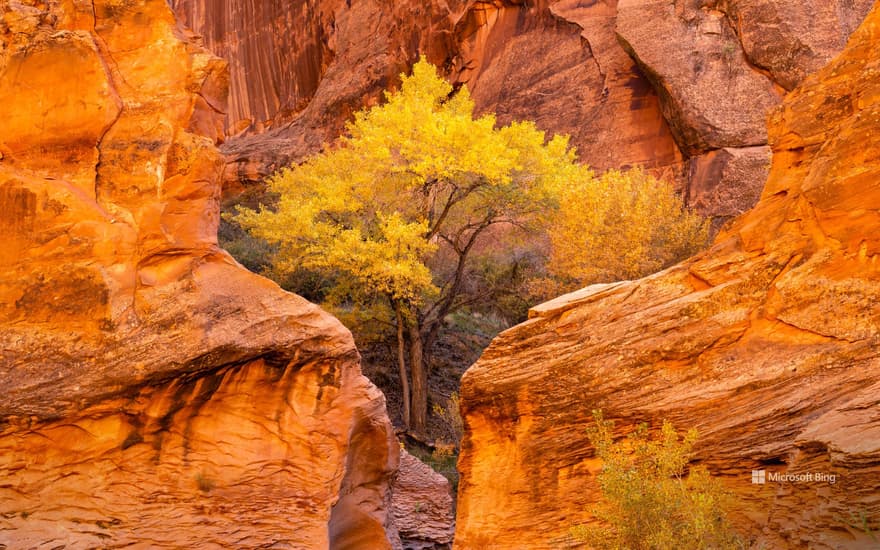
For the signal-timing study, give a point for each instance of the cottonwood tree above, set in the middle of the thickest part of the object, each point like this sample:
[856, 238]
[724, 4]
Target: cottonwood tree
[395, 211]
[620, 225]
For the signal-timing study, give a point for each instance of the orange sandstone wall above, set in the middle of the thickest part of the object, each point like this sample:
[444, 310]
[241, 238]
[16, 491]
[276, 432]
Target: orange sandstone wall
[155, 392]
[768, 344]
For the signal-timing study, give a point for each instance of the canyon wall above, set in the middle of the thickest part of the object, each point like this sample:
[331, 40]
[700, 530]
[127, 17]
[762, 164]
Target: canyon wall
[521, 60]
[681, 87]
[768, 344]
[156, 394]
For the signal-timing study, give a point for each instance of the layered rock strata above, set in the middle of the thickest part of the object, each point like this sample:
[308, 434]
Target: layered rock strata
[421, 504]
[768, 344]
[156, 394]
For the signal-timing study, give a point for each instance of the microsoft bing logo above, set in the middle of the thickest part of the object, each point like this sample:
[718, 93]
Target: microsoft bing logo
[759, 477]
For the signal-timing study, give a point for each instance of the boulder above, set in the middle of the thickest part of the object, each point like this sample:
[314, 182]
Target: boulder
[791, 39]
[421, 505]
[710, 94]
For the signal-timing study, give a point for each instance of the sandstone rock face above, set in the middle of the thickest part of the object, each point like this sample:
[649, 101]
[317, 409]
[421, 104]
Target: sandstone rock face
[711, 97]
[155, 393]
[719, 67]
[767, 343]
[421, 504]
[723, 181]
[559, 64]
[300, 70]
[299, 74]
[793, 38]
[714, 69]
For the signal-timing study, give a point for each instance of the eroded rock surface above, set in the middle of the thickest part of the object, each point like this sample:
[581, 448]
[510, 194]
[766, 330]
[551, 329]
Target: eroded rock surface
[156, 393]
[711, 97]
[421, 504]
[299, 74]
[300, 70]
[769, 344]
[719, 67]
[714, 69]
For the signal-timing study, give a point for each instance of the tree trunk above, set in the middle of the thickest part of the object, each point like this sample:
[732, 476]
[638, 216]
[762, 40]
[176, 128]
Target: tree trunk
[419, 380]
[401, 364]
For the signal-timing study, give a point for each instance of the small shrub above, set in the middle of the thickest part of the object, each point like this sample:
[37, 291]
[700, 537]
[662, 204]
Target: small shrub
[651, 498]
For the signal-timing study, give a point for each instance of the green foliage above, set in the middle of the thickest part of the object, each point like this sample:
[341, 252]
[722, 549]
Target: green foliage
[652, 499]
[252, 252]
[622, 225]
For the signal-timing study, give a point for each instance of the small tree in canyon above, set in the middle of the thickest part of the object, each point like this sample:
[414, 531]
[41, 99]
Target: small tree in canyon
[393, 216]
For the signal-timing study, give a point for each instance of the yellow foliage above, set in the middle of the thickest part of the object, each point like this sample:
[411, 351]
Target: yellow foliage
[622, 225]
[651, 498]
[413, 174]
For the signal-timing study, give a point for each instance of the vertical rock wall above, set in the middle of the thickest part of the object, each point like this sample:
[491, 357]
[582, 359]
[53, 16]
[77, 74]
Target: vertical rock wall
[155, 392]
[557, 63]
[719, 66]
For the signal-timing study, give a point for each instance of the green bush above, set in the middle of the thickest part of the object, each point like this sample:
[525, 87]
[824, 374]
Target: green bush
[652, 499]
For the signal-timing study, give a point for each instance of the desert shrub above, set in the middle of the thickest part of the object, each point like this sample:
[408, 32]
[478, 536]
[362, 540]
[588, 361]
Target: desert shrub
[652, 498]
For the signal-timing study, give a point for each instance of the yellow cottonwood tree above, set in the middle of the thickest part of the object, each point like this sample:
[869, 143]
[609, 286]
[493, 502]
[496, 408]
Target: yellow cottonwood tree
[621, 225]
[416, 177]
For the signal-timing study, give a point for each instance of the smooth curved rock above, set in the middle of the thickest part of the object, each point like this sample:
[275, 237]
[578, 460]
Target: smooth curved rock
[769, 344]
[559, 64]
[155, 392]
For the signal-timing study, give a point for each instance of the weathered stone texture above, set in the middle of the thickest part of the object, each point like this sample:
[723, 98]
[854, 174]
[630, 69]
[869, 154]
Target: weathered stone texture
[298, 75]
[767, 343]
[714, 68]
[155, 392]
[725, 182]
[421, 504]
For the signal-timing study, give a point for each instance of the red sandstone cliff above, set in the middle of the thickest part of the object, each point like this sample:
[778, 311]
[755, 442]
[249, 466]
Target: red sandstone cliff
[155, 393]
[633, 81]
[769, 344]
[298, 75]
